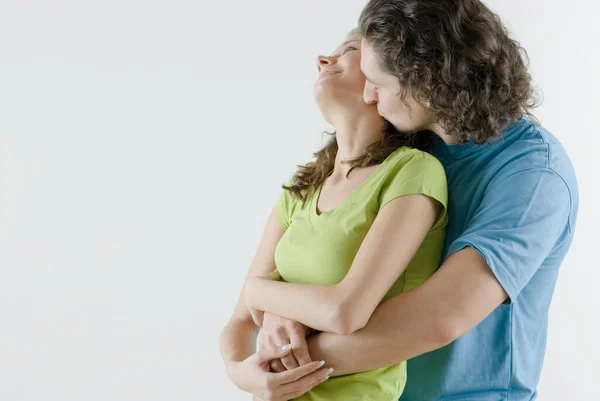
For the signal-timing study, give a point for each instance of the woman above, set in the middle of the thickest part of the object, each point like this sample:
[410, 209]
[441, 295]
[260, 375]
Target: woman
[362, 223]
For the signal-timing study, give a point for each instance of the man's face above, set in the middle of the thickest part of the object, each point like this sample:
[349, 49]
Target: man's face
[382, 89]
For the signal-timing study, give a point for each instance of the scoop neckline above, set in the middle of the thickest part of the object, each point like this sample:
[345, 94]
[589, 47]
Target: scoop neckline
[317, 195]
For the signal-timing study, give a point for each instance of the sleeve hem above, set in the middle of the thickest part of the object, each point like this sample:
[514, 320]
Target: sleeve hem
[508, 287]
[442, 217]
[283, 223]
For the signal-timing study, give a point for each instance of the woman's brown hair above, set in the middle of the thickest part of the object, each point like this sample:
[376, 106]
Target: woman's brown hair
[308, 177]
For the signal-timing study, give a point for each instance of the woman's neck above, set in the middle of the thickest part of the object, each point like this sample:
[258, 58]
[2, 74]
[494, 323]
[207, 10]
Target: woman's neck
[354, 133]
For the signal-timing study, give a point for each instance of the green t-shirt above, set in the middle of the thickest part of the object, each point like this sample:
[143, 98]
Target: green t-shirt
[320, 249]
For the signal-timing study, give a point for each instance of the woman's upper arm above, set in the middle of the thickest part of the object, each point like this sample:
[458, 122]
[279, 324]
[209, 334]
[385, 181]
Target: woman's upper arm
[389, 246]
[413, 201]
[263, 262]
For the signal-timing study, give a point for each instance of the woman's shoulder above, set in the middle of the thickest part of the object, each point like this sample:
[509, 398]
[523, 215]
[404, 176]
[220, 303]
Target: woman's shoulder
[416, 158]
[413, 171]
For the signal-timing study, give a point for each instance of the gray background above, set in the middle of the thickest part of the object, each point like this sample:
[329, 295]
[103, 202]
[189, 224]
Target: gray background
[142, 146]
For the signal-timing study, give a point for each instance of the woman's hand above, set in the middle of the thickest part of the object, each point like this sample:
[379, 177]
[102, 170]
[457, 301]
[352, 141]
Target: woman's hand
[253, 375]
[278, 331]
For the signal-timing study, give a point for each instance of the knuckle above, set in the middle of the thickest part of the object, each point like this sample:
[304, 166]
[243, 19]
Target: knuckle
[280, 331]
[269, 342]
[301, 351]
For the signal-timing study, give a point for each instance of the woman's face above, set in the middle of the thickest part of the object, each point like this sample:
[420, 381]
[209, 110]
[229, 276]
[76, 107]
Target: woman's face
[340, 78]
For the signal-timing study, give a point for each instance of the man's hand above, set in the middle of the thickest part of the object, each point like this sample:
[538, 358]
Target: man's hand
[253, 375]
[278, 331]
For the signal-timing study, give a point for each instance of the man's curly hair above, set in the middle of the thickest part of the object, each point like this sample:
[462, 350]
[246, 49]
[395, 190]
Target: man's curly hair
[456, 57]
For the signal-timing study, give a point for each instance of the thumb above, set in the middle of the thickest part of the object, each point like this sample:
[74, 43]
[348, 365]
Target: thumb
[267, 355]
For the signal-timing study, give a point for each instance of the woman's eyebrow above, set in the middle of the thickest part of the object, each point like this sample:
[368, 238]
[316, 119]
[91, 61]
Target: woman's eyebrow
[350, 41]
[347, 42]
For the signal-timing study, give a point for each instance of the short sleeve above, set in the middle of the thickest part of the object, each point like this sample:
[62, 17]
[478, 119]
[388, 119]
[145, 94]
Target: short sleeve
[521, 219]
[418, 173]
[284, 208]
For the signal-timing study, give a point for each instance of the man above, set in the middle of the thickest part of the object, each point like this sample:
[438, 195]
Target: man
[477, 329]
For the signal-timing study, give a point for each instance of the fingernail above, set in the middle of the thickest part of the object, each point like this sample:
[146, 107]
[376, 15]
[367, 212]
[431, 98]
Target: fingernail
[330, 371]
[286, 347]
[325, 378]
[321, 363]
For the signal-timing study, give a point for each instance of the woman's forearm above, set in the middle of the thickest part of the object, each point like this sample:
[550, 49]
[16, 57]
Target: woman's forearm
[317, 306]
[238, 340]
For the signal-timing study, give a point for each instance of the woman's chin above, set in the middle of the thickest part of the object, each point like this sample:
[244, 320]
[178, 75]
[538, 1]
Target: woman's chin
[332, 96]
[322, 88]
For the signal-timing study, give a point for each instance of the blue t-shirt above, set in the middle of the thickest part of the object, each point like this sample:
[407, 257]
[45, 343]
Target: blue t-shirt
[515, 201]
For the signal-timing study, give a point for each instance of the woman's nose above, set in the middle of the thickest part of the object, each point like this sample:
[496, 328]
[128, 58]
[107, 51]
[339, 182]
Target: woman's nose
[323, 61]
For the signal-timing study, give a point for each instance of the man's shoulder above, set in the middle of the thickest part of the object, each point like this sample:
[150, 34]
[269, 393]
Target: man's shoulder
[532, 159]
[528, 146]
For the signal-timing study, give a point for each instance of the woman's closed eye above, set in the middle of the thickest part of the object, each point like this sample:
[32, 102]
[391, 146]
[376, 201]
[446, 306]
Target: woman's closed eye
[349, 48]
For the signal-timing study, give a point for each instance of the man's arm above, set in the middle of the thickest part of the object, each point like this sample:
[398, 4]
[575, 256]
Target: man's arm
[508, 238]
[454, 300]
